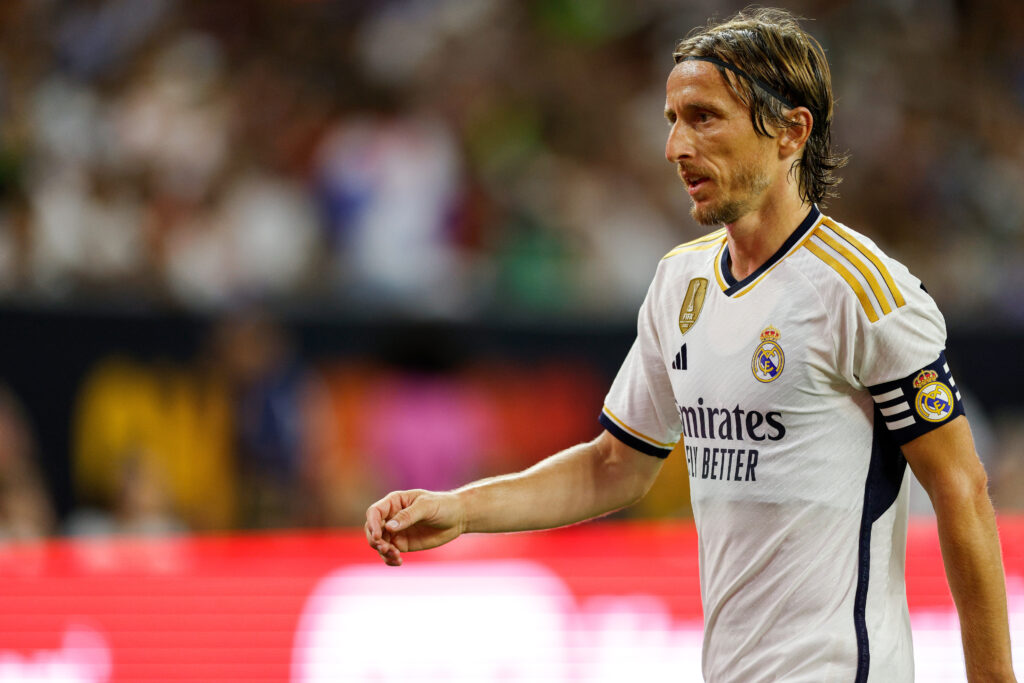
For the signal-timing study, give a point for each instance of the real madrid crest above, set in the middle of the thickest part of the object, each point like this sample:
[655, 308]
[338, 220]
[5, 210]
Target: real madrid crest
[768, 358]
[934, 400]
[692, 303]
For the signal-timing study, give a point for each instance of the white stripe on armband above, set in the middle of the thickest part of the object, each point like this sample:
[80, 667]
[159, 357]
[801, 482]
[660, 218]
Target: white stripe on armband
[896, 409]
[888, 396]
[900, 424]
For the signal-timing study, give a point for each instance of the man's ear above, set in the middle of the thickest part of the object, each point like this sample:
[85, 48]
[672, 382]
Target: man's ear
[793, 138]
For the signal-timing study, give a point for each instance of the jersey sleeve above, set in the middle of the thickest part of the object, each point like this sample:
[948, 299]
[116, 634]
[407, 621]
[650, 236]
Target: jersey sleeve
[640, 408]
[898, 354]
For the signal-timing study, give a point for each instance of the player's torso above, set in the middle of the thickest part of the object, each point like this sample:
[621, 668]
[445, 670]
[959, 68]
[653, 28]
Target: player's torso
[779, 434]
[778, 446]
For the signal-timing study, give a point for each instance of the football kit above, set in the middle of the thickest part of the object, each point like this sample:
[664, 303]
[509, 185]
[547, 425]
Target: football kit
[792, 391]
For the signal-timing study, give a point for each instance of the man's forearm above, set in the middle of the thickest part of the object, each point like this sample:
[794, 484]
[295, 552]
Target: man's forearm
[581, 482]
[971, 554]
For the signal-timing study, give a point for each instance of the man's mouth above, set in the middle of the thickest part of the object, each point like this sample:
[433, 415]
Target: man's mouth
[694, 182]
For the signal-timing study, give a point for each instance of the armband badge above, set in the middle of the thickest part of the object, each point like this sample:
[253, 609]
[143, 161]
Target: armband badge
[934, 401]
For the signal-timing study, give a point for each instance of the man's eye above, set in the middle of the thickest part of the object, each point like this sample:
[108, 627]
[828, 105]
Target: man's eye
[703, 117]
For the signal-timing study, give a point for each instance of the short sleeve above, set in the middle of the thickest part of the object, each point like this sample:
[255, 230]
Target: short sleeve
[899, 356]
[640, 409]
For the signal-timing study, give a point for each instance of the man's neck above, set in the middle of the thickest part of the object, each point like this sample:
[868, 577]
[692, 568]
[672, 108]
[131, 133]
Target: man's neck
[755, 237]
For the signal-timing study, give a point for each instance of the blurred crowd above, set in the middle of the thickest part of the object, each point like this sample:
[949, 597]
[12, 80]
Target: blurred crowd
[191, 153]
[446, 159]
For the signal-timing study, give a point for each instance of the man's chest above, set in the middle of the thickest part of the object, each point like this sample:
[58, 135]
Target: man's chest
[770, 348]
[757, 390]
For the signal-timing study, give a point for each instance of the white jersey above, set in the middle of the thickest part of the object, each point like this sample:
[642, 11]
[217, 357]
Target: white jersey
[793, 390]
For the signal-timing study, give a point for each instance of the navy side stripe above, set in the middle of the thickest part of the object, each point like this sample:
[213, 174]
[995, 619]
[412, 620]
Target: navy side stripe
[882, 487]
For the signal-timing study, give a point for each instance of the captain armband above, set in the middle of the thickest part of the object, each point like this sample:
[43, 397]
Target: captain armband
[918, 403]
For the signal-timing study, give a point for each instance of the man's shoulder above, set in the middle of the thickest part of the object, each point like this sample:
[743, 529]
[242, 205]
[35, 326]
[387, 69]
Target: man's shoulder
[705, 243]
[844, 263]
[688, 261]
[855, 238]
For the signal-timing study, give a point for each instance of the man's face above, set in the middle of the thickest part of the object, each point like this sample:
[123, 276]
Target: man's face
[724, 163]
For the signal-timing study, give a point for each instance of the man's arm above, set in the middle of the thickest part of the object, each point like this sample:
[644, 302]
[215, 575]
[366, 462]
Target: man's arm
[946, 464]
[581, 482]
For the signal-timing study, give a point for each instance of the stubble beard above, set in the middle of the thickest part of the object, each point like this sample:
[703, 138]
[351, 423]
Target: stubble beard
[751, 181]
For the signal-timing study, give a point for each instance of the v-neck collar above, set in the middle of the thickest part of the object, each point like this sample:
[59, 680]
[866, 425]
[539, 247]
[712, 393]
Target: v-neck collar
[731, 286]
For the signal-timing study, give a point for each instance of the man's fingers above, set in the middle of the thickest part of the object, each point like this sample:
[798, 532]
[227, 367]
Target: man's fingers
[374, 519]
[389, 516]
[389, 553]
[377, 513]
[405, 518]
[393, 557]
[371, 536]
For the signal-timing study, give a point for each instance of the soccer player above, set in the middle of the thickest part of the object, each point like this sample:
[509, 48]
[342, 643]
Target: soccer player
[803, 369]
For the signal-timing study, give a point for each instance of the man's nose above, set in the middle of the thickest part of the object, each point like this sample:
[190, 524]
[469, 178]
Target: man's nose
[679, 145]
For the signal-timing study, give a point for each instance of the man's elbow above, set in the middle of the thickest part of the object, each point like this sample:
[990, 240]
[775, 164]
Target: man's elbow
[616, 469]
[961, 491]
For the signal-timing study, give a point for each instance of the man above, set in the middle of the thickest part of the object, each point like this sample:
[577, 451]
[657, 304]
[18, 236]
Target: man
[804, 369]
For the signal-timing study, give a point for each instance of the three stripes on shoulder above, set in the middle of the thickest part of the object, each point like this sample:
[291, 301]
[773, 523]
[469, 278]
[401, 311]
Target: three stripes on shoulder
[862, 270]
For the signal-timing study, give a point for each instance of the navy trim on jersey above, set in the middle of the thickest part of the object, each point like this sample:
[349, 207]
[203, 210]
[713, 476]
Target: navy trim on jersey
[904, 410]
[725, 265]
[885, 477]
[630, 440]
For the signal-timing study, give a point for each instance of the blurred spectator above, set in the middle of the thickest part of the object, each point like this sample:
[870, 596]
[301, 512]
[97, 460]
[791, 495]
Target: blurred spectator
[390, 185]
[174, 118]
[154, 440]
[1007, 472]
[25, 509]
[269, 388]
[141, 506]
[260, 242]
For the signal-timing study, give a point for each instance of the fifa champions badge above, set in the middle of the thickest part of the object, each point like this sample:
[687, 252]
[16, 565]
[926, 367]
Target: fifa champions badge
[693, 302]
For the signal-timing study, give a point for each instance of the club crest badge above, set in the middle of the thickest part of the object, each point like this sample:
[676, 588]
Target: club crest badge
[693, 302]
[768, 358]
[934, 401]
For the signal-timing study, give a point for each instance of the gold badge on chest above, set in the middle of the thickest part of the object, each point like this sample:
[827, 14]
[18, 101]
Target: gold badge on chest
[692, 303]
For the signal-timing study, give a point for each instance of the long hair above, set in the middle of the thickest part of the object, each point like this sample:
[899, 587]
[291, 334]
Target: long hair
[769, 46]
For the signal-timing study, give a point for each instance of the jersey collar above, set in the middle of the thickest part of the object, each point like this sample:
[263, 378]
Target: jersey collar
[723, 270]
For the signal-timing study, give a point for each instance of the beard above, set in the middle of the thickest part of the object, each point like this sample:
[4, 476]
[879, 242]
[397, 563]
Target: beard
[751, 181]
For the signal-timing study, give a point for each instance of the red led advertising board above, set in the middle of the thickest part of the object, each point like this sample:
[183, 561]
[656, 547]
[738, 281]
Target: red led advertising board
[597, 602]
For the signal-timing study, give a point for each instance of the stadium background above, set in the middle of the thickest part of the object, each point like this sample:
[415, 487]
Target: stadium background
[262, 262]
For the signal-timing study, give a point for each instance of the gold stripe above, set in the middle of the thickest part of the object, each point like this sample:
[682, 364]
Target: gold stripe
[718, 268]
[774, 265]
[680, 250]
[848, 255]
[706, 242]
[850, 279]
[710, 237]
[634, 432]
[869, 255]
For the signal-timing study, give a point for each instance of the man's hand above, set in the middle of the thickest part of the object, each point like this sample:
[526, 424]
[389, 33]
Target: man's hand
[413, 520]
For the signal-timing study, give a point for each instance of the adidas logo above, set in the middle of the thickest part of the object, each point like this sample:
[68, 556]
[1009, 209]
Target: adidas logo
[680, 360]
